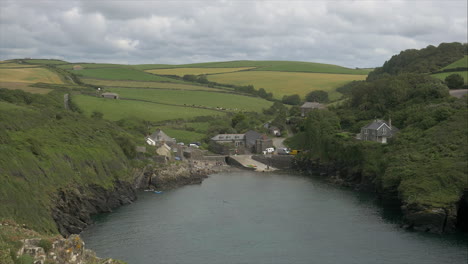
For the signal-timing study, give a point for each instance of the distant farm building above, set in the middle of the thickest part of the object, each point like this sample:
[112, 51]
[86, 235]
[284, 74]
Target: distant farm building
[77, 67]
[378, 131]
[309, 106]
[110, 95]
[250, 142]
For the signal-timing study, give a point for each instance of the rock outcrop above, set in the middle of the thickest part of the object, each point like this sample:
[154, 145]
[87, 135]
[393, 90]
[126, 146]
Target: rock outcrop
[70, 250]
[74, 206]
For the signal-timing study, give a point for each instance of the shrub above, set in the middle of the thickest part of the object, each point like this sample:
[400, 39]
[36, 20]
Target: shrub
[45, 244]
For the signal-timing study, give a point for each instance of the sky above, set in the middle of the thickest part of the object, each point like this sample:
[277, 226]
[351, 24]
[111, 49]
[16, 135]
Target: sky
[347, 33]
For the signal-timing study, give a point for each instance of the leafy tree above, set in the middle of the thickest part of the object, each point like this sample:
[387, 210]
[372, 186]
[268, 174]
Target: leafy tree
[291, 99]
[190, 78]
[317, 96]
[237, 119]
[320, 126]
[455, 81]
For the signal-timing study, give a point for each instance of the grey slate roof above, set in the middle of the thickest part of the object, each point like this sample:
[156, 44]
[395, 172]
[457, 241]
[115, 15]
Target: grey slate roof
[251, 136]
[228, 137]
[375, 124]
[160, 136]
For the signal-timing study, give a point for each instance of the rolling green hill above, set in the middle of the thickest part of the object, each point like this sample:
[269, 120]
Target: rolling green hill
[461, 63]
[122, 74]
[287, 66]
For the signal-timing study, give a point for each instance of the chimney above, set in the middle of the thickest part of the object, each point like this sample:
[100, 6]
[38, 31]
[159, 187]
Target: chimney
[390, 122]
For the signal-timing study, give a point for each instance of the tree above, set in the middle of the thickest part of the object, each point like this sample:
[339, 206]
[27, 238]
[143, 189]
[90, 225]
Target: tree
[455, 81]
[237, 119]
[317, 96]
[291, 99]
[97, 115]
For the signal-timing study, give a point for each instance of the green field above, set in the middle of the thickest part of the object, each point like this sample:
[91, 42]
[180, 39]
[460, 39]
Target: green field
[289, 66]
[444, 75]
[45, 61]
[94, 66]
[230, 102]
[461, 63]
[183, 135]
[140, 84]
[118, 109]
[286, 83]
[196, 71]
[123, 74]
[16, 65]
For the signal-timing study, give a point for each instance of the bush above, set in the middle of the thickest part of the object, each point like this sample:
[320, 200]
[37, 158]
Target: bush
[455, 81]
[45, 244]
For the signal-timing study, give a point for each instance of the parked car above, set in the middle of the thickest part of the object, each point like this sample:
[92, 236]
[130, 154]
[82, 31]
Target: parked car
[283, 151]
[270, 150]
[193, 145]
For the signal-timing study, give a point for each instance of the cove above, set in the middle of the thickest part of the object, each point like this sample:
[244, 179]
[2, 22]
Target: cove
[249, 217]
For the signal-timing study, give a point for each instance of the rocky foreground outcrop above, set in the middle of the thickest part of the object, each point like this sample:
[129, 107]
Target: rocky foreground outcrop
[70, 250]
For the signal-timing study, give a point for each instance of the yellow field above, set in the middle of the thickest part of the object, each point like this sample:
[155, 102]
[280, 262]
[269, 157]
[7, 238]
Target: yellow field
[138, 84]
[196, 71]
[23, 86]
[29, 75]
[287, 83]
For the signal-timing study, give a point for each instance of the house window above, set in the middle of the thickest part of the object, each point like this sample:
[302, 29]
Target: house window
[384, 130]
[366, 131]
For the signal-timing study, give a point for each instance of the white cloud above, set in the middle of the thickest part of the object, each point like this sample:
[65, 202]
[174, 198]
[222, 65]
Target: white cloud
[348, 33]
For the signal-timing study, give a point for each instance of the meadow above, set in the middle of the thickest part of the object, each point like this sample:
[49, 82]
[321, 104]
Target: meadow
[16, 65]
[86, 65]
[24, 86]
[183, 135]
[287, 83]
[140, 84]
[231, 102]
[29, 75]
[123, 74]
[196, 71]
[45, 61]
[118, 109]
[444, 75]
[288, 66]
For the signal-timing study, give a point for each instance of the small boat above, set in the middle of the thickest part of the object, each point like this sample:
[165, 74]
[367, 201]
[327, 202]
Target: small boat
[158, 192]
[149, 190]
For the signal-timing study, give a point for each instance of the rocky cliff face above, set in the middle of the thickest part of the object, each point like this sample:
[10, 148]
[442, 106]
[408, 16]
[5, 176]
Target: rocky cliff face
[415, 216]
[74, 206]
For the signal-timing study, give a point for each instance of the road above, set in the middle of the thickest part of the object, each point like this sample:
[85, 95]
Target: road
[459, 93]
[247, 160]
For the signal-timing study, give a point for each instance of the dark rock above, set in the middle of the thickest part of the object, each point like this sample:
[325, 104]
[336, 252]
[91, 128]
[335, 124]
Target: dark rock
[74, 207]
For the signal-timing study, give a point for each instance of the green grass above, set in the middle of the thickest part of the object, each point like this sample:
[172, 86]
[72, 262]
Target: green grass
[231, 102]
[444, 75]
[139, 84]
[461, 63]
[196, 71]
[45, 61]
[118, 109]
[287, 83]
[123, 74]
[289, 66]
[94, 66]
[183, 135]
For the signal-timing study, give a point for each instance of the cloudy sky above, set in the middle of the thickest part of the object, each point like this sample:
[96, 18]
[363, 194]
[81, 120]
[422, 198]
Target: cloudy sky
[349, 33]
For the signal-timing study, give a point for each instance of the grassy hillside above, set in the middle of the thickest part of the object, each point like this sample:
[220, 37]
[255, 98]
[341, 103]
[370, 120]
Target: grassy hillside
[286, 83]
[45, 148]
[122, 74]
[231, 102]
[196, 71]
[44, 61]
[444, 75]
[140, 84]
[461, 63]
[289, 66]
[118, 109]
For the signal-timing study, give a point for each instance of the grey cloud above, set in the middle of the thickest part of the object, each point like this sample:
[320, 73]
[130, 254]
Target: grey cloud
[353, 34]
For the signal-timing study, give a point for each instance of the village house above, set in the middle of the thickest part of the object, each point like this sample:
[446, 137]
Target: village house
[309, 106]
[378, 131]
[262, 143]
[158, 138]
[110, 95]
